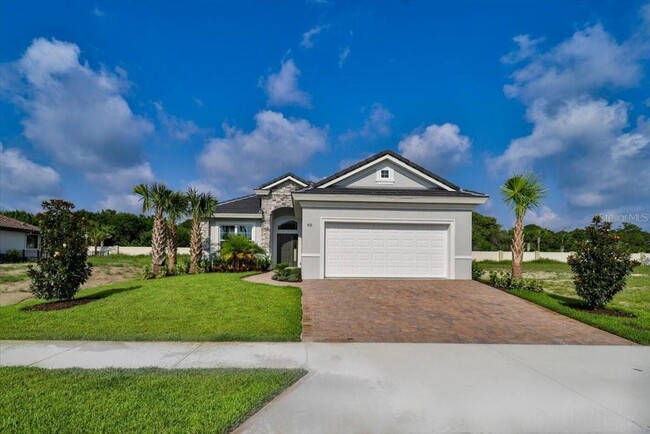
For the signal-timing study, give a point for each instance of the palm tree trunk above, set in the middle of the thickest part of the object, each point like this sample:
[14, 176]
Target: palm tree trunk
[196, 248]
[517, 248]
[95, 249]
[158, 243]
[172, 246]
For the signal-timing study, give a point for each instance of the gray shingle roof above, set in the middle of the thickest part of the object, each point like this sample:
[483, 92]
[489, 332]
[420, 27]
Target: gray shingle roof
[15, 225]
[242, 205]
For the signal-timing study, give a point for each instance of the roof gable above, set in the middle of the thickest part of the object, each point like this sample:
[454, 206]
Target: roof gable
[280, 179]
[388, 156]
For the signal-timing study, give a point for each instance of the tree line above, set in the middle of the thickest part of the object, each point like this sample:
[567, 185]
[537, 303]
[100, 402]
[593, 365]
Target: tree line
[489, 235]
[124, 229]
[128, 229]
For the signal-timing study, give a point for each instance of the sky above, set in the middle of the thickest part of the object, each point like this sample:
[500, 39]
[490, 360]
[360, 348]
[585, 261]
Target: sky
[96, 97]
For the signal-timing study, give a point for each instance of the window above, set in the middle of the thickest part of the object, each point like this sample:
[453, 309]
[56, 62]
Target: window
[245, 230]
[385, 175]
[32, 241]
[291, 225]
[225, 232]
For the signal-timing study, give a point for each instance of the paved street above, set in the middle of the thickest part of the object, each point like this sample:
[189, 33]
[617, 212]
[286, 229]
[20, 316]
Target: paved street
[386, 388]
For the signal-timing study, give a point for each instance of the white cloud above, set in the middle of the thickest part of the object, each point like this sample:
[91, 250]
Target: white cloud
[121, 202]
[343, 56]
[282, 87]
[437, 147]
[98, 12]
[587, 62]
[176, 128]
[21, 176]
[241, 160]
[308, 36]
[377, 124]
[77, 115]
[198, 101]
[585, 143]
[526, 48]
[582, 123]
[122, 179]
[546, 218]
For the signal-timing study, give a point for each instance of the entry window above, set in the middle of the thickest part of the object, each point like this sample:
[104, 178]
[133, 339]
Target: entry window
[225, 232]
[291, 225]
[32, 241]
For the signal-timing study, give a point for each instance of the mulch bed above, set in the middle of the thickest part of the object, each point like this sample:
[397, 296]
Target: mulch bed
[60, 305]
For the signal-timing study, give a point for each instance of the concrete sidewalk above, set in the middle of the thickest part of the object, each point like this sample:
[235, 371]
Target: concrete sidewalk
[388, 388]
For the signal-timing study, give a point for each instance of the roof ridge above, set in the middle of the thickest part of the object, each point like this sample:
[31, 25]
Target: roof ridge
[236, 199]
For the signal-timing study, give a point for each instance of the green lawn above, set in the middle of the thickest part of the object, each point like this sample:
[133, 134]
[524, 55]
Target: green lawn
[203, 307]
[559, 295]
[37, 400]
[9, 278]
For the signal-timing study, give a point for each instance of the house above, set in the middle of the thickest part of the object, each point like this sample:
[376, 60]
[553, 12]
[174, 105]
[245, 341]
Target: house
[384, 217]
[18, 236]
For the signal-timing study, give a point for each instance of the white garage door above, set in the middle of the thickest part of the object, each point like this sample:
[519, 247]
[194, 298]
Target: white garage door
[386, 250]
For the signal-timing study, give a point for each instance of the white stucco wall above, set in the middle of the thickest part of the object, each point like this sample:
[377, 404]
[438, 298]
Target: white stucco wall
[315, 214]
[12, 240]
[402, 178]
[215, 225]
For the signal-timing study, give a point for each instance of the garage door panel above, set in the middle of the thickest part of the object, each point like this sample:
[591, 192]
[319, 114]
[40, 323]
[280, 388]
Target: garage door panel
[386, 250]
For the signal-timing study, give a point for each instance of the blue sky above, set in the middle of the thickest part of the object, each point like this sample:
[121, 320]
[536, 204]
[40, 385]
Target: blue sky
[96, 97]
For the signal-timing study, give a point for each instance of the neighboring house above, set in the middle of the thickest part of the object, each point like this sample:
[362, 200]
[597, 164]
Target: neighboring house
[16, 235]
[382, 217]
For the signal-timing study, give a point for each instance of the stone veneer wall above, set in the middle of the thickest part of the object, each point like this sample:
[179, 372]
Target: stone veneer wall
[280, 197]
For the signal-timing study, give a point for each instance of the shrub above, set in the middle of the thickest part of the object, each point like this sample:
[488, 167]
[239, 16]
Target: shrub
[62, 268]
[477, 271]
[12, 256]
[183, 267]
[526, 285]
[262, 261]
[240, 253]
[147, 273]
[284, 273]
[600, 264]
[504, 280]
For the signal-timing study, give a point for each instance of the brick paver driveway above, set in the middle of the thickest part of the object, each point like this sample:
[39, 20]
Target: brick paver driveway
[461, 311]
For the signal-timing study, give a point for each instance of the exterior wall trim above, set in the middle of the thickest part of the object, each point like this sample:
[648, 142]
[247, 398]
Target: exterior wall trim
[231, 215]
[388, 199]
[286, 178]
[451, 237]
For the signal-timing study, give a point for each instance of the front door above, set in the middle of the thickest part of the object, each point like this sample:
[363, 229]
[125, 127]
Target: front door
[287, 249]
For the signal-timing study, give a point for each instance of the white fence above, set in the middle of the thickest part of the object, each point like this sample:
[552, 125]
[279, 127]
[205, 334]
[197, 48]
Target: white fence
[479, 256]
[130, 251]
[531, 256]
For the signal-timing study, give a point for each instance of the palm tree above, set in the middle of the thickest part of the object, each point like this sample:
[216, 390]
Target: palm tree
[153, 197]
[521, 193]
[97, 234]
[201, 206]
[175, 207]
[238, 249]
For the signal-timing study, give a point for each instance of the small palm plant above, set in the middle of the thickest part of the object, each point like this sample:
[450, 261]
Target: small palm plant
[201, 206]
[521, 193]
[153, 197]
[238, 250]
[97, 234]
[176, 207]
